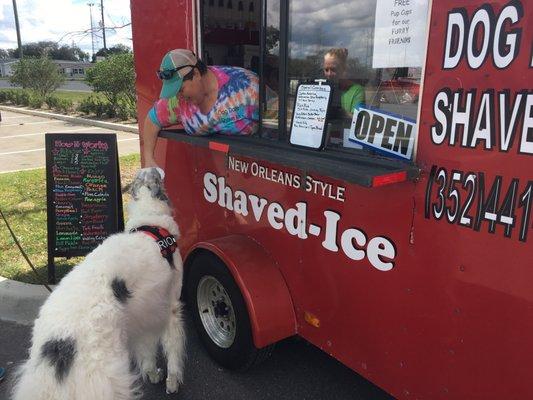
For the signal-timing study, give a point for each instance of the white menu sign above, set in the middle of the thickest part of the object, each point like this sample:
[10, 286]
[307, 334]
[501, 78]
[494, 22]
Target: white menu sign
[309, 117]
[400, 33]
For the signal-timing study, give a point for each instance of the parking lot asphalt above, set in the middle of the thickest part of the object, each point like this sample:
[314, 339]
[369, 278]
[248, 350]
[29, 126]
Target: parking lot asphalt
[296, 371]
[22, 139]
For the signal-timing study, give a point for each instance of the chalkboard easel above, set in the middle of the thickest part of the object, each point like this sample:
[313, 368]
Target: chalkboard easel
[83, 193]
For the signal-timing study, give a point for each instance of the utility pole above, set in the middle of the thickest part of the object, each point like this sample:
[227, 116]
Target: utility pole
[18, 28]
[103, 23]
[92, 26]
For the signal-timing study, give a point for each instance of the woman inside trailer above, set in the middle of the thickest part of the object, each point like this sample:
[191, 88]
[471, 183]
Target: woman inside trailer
[350, 94]
[205, 100]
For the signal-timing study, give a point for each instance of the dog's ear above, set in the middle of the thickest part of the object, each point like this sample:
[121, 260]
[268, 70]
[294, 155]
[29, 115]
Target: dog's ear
[137, 184]
[157, 188]
[151, 179]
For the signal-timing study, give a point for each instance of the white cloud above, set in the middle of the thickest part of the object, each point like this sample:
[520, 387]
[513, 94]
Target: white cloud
[320, 24]
[63, 20]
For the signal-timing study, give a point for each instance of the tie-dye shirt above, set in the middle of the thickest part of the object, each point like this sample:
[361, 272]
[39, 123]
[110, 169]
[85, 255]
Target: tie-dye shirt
[236, 110]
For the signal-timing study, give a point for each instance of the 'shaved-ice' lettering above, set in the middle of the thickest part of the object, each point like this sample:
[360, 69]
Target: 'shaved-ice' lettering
[354, 243]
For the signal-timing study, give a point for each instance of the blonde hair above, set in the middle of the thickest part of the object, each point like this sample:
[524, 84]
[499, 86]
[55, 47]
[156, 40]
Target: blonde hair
[340, 54]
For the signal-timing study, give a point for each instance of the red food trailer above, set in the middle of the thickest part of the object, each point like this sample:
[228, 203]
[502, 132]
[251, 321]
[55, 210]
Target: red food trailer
[402, 246]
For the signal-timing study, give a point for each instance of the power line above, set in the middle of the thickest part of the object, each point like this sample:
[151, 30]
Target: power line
[82, 34]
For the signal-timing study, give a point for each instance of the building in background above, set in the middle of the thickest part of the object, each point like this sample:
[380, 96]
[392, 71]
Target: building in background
[71, 69]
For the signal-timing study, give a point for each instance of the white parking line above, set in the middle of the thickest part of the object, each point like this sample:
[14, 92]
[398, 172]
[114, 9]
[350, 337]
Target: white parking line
[20, 152]
[42, 149]
[18, 117]
[32, 123]
[27, 134]
[16, 136]
[42, 133]
[83, 129]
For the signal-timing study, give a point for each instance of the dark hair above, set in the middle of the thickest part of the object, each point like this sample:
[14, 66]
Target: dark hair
[201, 67]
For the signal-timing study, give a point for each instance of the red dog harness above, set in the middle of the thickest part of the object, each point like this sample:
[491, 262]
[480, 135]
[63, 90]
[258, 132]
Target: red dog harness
[164, 239]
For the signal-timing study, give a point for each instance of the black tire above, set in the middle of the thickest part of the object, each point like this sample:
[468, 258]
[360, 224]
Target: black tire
[241, 354]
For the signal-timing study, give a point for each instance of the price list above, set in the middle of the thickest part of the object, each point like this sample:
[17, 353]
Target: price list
[310, 110]
[82, 178]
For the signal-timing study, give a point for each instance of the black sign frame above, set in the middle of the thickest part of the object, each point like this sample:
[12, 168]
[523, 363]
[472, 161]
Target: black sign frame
[114, 205]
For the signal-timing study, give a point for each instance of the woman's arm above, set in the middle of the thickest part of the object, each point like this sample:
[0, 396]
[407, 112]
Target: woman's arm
[149, 140]
[354, 96]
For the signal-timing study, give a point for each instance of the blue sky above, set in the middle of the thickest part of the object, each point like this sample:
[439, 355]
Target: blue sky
[64, 21]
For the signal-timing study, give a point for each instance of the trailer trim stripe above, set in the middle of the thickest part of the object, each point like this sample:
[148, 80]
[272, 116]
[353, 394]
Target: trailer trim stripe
[223, 147]
[382, 180]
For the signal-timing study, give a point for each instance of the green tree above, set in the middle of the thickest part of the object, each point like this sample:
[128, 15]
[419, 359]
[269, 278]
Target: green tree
[69, 53]
[20, 73]
[117, 49]
[115, 79]
[272, 38]
[52, 50]
[38, 74]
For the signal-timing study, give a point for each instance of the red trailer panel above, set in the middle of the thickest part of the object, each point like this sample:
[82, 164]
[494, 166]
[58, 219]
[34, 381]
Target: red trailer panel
[420, 285]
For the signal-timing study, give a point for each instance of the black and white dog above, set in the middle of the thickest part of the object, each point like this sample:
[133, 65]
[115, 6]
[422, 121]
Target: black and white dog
[115, 306]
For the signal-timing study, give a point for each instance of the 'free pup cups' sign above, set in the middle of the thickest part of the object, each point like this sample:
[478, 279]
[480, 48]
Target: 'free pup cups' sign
[400, 33]
[382, 131]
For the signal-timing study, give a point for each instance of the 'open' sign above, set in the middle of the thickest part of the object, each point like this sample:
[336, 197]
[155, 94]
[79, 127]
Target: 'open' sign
[385, 132]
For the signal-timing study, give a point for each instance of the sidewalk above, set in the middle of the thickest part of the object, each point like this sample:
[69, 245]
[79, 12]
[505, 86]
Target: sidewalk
[20, 302]
[75, 120]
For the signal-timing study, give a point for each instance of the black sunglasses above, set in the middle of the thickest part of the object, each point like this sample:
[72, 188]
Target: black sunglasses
[169, 73]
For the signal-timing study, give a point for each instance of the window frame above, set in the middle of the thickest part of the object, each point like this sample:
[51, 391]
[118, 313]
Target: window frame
[283, 133]
[286, 154]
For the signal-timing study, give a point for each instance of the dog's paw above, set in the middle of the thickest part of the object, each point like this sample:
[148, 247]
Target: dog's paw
[155, 376]
[172, 384]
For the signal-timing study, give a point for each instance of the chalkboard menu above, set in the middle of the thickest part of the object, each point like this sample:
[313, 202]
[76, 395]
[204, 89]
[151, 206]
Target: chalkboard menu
[84, 200]
[309, 116]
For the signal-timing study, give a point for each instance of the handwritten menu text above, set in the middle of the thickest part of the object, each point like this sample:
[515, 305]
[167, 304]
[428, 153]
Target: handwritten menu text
[82, 191]
[310, 115]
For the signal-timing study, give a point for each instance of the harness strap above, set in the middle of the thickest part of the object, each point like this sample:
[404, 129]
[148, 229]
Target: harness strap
[164, 239]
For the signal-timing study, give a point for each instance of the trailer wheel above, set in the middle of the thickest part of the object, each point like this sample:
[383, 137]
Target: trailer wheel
[220, 315]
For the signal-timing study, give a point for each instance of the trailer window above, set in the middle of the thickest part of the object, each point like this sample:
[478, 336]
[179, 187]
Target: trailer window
[371, 51]
[286, 42]
[230, 34]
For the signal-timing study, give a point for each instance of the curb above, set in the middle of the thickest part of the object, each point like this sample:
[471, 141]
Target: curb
[20, 302]
[78, 120]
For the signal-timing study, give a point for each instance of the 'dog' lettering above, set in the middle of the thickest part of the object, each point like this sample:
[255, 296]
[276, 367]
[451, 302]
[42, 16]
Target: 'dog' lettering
[461, 36]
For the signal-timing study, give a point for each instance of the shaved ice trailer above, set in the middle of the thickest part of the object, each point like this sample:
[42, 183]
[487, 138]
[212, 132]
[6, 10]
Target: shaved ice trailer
[402, 246]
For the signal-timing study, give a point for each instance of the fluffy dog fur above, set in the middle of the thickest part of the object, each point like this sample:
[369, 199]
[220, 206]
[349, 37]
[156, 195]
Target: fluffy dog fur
[117, 305]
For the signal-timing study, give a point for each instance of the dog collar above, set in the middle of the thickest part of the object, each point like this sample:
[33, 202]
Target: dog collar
[164, 239]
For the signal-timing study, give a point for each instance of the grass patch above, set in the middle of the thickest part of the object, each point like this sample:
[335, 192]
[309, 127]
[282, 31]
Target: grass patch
[23, 202]
[76, 97]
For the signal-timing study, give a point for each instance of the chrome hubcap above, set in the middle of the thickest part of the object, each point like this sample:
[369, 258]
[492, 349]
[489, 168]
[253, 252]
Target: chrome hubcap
[216, 311]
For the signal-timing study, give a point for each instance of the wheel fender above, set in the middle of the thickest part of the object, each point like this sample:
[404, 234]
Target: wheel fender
[261, 283]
